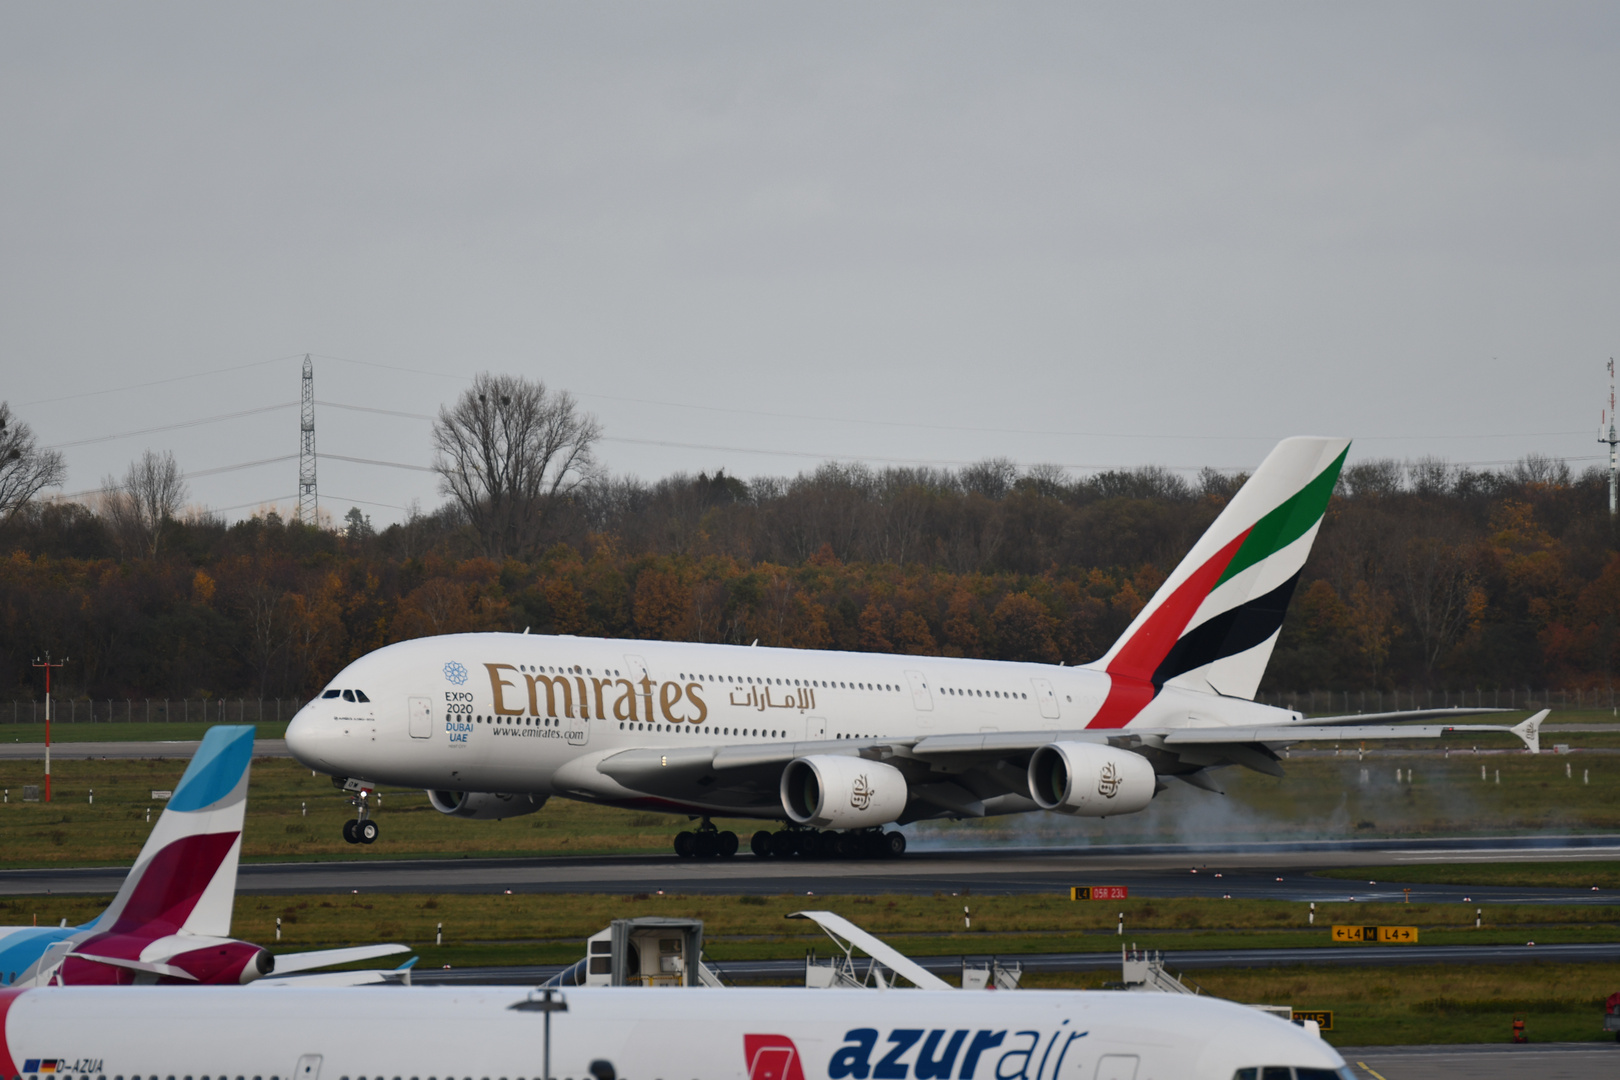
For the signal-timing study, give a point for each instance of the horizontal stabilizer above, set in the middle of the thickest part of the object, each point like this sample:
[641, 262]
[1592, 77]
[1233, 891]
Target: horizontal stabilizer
[287, 963]
[330, 978]
[165, 970]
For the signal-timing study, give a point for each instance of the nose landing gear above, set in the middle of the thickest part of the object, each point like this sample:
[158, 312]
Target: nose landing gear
[360, 829]
[706, 842]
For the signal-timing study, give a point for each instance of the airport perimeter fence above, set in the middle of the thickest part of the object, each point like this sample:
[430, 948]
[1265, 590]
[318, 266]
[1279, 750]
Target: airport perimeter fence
[1346, 702]
[153, 711]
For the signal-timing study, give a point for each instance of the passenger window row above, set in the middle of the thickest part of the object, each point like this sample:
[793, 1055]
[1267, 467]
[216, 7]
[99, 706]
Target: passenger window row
[953, 692]
[824, 684]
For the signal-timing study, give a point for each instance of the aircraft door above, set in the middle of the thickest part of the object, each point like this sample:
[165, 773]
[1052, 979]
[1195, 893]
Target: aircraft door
[421, 717]
[1047, 698]
[921, 699]
[309, 1068]
[1117, 1067]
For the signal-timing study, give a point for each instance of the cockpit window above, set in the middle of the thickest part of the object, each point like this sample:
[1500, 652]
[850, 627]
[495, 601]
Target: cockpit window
[348, 695]
[331, 694]
[1299, 1072]
[360, 695]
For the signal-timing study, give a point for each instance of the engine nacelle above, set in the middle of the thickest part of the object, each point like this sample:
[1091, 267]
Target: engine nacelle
[1090, 779]
[830, 791]
[484, 805]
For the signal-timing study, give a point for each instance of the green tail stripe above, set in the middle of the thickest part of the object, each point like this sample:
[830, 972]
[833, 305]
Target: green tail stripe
[1290, 521]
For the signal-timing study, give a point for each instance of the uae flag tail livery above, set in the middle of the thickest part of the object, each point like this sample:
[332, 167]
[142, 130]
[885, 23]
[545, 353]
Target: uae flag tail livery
[1213, 623]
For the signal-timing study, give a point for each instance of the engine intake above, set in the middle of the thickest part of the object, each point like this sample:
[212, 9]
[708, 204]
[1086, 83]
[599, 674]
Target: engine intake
[831, 791]
[484, 805]
[1090, 780]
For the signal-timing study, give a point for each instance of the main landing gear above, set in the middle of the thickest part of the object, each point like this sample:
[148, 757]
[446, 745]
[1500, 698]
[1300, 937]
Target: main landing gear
[706, 842]
[361, 829]
[816, 844]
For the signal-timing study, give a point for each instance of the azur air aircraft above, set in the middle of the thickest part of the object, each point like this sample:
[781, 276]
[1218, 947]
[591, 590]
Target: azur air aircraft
[462, 1033]
[171, 919]
[839, 745]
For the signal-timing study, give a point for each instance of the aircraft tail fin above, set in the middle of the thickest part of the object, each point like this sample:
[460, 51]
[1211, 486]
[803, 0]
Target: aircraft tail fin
[1213, 623]
[185, 876]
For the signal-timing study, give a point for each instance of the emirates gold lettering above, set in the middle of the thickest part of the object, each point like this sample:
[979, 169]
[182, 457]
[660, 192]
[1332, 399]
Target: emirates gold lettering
[647, 699]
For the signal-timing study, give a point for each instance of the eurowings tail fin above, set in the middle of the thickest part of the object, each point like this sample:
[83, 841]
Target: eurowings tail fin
[185, 876]
[1213, 623]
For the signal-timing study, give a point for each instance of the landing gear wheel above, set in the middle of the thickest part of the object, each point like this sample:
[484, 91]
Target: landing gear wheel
[349, 831]
[684, 844]
[706, 845]
[728, 844]
[894, 844]
[784, 844]
[366, 832]
[826, 846]
[760, 844]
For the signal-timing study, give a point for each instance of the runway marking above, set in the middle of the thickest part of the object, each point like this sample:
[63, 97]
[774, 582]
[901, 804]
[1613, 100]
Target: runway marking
[1364, 1065]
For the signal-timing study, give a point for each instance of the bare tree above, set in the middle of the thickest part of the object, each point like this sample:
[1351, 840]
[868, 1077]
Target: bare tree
[507, 452]
[150, 496]
[25, 469]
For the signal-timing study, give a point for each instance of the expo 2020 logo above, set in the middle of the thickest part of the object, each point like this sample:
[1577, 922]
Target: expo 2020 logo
[455, 673]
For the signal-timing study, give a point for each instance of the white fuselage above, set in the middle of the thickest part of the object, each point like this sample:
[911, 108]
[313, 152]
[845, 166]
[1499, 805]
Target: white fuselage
[284, 1033]
[533, 714]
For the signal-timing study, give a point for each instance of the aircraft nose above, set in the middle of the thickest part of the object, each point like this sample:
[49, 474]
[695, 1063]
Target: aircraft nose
[307, 738]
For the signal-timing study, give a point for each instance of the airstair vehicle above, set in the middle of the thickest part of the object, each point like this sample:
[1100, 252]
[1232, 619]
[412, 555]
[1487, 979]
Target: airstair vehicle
[651, 951]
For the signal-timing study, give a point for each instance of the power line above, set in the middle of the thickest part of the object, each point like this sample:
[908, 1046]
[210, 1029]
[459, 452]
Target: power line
[159, 382]
[173, 427]
[374, 461]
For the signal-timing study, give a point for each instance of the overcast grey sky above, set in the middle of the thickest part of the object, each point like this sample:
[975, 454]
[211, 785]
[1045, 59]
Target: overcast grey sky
[1097, 235]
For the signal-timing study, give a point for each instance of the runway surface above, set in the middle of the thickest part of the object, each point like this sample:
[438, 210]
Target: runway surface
[1253, 871]
[1545, 1061]
[1176, 962]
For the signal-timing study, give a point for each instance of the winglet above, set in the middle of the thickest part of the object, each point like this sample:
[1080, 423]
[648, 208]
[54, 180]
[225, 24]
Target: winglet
[1530, 731]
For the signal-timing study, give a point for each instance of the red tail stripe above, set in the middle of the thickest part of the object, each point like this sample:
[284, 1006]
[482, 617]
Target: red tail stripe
[1130, 687]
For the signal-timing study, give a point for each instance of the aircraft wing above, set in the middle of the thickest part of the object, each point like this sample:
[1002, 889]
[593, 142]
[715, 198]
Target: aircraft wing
[1528, 732]
[1409, 714]
[973, 774]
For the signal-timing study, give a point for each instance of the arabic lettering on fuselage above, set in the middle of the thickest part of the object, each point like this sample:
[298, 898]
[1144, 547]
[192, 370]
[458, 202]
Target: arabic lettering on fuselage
[801, 698]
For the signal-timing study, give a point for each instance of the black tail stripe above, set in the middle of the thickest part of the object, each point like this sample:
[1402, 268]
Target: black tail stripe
[1228, 633]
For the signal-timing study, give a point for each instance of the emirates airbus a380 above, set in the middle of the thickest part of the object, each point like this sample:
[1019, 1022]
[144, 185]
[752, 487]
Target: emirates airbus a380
[838, 745]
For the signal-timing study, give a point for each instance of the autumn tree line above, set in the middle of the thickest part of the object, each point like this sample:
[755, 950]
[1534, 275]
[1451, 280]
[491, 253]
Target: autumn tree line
[1424, 575]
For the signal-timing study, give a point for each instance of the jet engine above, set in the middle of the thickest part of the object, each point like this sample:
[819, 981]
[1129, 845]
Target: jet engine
[1090, 779]
[834, 792]
[484, 805]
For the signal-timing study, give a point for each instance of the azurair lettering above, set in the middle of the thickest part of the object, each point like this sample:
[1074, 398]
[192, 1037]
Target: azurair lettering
[853, 1060]
[891, 1068]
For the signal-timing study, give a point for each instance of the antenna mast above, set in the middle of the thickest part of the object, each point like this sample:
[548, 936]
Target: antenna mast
[307, 503]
